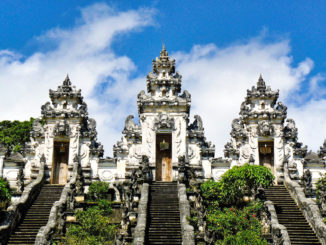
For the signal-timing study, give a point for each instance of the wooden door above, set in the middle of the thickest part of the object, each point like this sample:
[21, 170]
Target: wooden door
[60, 163]
[163, 157]
[266, 155]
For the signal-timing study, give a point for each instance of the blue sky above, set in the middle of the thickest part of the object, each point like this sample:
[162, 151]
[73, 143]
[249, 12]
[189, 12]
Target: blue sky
[218, 45]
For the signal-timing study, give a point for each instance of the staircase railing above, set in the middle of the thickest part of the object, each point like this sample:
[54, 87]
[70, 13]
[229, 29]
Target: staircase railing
[16, 211]
[188, 237]
[56, 218]
[134, 193]
[308, 206]
[279, 232]
[140, 229]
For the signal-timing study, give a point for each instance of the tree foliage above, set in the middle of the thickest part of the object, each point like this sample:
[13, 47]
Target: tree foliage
[236, 183]
[94, 226]
[14, 134]
[233, 221]
[98, 190]
[5, 196]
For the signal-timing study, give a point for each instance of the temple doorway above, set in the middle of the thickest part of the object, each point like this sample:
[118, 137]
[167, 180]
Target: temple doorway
[60, 163]
[163, 157]
[266, 155]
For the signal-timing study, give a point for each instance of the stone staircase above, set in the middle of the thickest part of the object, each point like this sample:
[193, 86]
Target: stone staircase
[289, 215]
[36, 216]
[163, 218]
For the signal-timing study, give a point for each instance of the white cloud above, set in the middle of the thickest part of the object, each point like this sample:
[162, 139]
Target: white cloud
[84, 52]
[218, 79]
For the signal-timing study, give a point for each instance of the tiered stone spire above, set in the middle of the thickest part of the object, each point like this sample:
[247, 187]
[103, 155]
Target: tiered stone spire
[67, 101]
[164, 63]
[163, 86]
[163, 81]
[260, 102]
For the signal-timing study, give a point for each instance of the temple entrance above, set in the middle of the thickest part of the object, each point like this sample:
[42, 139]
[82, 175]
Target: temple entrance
[60, 163]
[163, 157]
[266, 154]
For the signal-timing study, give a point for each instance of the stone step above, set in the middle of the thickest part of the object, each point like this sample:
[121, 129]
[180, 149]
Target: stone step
[163, 214]
[289, 214]
[36, 216]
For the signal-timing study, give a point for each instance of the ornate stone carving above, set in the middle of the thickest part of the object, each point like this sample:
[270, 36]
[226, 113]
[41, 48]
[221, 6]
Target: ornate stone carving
[84, 155]
[62, 128]
[47, 110]
[265, 128]
[281, 108]
[163, 121]
[37, 129]
[238, 129]
[230, 151]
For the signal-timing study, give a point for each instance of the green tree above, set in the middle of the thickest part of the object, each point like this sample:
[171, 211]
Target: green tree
[234, 221]
[14, 134]
[236, 183]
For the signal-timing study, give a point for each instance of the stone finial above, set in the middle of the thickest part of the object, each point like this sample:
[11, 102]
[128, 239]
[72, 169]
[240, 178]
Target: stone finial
[67, 81]
[164, 54]
[261, 86]
[164, 62]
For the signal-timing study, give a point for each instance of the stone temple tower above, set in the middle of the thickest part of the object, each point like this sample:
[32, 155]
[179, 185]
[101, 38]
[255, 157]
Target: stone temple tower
[63, 134]
[260, 137]
[164, 133]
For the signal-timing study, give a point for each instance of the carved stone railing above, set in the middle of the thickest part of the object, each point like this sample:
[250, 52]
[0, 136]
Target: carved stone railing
[187, 231]
[307, 205]
[139, 238]
[57, 214]
[279, 232]
[17, 210]
[132, 193]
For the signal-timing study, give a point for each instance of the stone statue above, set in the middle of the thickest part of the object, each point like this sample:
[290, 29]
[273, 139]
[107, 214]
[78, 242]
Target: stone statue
[306, 182]
[141, 95]
[290, 131]
[129, 123]
[20, 181]
[185, 95]
[197, 124]
[182, 169]
[147, 173]
[281, 107]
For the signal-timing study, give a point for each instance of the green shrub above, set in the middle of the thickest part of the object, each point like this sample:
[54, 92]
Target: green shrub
[234, 221]
[235, 183]
[4, 191]
[320, 186]
[93, 228]
[237, 226]
[98, 190]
